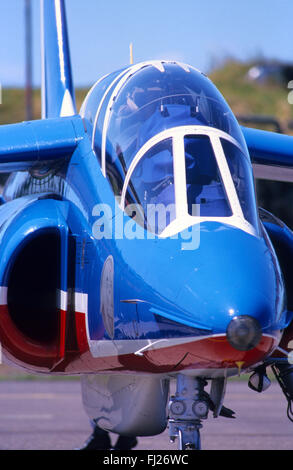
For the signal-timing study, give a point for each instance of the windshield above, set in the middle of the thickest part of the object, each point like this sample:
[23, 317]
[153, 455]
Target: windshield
[203, 178]
[190, 174]
[243, 180]
[152, 183]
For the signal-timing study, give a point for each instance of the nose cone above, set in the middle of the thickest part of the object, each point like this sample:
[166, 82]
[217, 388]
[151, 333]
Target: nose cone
[233, 275]
[217, 307]
[244, 333]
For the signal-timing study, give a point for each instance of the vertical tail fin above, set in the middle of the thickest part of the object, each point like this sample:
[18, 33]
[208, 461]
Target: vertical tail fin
[58, 97]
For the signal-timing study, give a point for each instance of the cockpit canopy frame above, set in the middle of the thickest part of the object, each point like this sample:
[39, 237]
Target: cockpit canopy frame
[141, 107]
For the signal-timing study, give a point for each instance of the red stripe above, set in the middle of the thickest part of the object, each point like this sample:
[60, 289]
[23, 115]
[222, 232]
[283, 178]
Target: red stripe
[208, 353]
[214, 352]
[81, 332]
[23, 350]
[62, 333]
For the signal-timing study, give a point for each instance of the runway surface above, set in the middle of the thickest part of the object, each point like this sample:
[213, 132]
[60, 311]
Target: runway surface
[48, 415]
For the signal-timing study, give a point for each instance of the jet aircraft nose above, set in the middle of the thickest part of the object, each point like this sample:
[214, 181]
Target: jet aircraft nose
[234, 285]
[227, 297]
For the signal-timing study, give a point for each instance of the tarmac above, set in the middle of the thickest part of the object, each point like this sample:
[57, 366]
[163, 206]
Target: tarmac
[48, 415]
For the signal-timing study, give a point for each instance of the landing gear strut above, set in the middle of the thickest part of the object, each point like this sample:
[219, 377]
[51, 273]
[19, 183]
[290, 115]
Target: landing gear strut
[187, 408]
[283, 371]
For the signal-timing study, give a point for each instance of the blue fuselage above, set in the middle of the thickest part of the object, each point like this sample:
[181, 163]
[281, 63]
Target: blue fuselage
[171, 305]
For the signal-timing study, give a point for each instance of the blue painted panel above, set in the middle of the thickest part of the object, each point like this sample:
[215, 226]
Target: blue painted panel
[269, 148]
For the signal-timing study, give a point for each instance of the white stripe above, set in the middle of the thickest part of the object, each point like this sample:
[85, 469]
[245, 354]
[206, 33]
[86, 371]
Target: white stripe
[108, 348]
[180, 177]
[226, 176]
[63, 300]
[150, 345]
[178, 225]
[159, 65]
[282, 351]
[43, 92]
[185, 67]
[60, 39]
[81, 302]
[3, 295]
[67, 108]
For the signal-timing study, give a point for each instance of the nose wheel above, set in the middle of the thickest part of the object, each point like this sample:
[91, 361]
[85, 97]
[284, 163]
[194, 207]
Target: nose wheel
[189, 439]
[187, 408]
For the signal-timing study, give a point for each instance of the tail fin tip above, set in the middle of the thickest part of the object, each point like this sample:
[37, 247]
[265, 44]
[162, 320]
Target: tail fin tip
[57, 86]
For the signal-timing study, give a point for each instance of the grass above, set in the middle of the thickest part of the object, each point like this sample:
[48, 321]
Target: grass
[243, 96]
[246, 97]
[12, 109]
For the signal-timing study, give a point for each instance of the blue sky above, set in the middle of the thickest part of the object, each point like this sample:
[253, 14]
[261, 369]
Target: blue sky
[200, 33]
